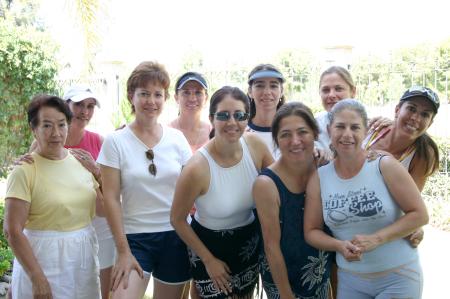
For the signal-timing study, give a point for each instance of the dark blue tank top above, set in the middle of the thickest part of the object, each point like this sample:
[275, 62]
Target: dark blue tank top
[308, 268]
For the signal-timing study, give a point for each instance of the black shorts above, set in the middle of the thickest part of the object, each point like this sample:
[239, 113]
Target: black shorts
[238, 248]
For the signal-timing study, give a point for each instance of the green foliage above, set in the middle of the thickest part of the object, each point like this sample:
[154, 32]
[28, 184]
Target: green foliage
[444, 154]
[6, 255]
[123, 114]
[27, 68]
[22, 12]
[301, 72]
[381, 80]
[437, 189]
[192, 61]
[436, 196]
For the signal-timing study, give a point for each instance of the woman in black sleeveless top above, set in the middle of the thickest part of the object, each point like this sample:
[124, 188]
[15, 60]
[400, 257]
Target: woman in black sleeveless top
[290, 268]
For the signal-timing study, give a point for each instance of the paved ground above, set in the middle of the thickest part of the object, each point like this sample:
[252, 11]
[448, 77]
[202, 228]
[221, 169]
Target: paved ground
[435, 260]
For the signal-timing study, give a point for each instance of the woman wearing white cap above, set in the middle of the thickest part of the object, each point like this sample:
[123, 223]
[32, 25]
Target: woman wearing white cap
[191, 94]
[85, 145]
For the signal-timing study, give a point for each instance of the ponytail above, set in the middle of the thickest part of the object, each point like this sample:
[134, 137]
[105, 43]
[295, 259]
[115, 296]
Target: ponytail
[428, 151]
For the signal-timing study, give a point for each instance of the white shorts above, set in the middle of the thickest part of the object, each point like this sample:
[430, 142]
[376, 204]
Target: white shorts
[106, 253]
[68, 260]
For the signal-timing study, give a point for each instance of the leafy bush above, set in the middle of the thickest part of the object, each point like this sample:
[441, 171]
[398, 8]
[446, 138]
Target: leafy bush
[436, 196]
[444, 154]
[6, 255]
[437, 189]
[27, 68]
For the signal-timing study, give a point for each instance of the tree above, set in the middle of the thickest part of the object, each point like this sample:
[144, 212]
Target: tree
[86, 15]
[27, 68]
[22, 13]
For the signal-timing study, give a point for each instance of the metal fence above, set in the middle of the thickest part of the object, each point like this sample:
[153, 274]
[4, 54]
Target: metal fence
[111, 90]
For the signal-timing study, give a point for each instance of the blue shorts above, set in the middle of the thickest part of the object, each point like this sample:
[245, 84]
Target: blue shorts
[162, 254]
[404, 281]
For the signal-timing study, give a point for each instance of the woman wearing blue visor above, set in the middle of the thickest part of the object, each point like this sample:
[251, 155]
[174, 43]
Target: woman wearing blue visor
[265, 90]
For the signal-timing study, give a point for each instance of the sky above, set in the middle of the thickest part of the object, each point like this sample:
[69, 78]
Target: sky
[248, 31]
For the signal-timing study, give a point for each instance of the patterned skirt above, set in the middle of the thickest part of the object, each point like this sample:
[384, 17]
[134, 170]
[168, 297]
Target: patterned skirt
[239, 249]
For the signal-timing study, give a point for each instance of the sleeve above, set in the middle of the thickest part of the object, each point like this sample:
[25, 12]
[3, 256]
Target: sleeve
[97, 142]
[20, 183]
[109, 153]
[96, 184]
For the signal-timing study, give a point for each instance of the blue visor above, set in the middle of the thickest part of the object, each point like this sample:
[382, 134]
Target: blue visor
[266, 74]
[192, 77]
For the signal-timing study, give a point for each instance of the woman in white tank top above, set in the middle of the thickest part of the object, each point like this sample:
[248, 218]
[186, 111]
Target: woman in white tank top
[222, 237]
[407, 138]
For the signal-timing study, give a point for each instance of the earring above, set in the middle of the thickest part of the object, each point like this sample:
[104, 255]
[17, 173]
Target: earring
[333, 150]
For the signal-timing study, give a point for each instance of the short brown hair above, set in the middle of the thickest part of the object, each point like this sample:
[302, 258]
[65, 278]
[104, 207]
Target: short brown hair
[145, 72]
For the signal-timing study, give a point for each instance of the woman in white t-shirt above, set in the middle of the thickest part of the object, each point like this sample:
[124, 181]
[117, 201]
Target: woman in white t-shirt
[335, 84]
[140, 165]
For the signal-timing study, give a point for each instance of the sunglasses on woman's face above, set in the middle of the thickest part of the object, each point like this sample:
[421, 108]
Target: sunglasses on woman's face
[225, 115]
[152, 167]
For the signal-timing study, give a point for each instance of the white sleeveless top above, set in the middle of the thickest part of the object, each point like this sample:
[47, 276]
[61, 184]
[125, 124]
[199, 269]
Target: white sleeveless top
[404, 160]
[228, 203]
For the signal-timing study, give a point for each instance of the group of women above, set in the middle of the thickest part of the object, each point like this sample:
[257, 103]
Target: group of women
[226, 202]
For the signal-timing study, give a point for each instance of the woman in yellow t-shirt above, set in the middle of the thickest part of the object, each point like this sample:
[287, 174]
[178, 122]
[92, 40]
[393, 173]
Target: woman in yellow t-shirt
[49, 208]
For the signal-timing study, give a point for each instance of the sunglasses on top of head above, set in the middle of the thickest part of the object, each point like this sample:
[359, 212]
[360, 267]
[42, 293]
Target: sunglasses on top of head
[225, 115]
[424, 91]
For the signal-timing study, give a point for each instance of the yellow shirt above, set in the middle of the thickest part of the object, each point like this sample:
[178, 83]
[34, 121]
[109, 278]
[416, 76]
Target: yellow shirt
[61, 193]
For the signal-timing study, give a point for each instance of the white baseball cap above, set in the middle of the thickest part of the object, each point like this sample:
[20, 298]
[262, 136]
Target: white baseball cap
[78, 93]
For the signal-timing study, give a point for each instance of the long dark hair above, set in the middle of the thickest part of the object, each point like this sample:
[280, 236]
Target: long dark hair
[426, 150]
[263, 67]
[218, 97]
